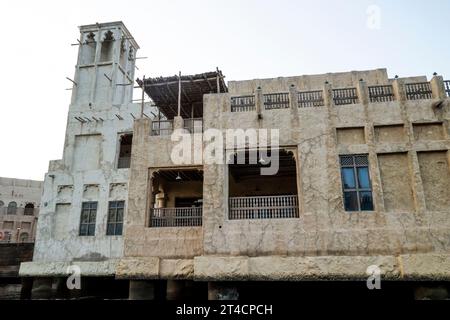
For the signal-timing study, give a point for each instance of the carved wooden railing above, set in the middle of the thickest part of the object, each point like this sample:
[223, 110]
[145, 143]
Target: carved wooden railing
[263, 207]
[176, 217]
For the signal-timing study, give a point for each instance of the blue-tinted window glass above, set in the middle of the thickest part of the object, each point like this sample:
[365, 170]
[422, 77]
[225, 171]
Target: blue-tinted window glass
[366, 201]
[363, 177]
[350, 201]
[348, 176]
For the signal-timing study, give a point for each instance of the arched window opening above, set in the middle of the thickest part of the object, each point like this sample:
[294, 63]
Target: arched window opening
[24, 237]
[107, 47]
[29, 209]
[88, 49]
[12, 207]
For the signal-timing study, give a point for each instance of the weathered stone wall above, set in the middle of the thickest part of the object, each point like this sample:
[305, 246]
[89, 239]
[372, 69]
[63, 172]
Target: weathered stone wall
[401, 234]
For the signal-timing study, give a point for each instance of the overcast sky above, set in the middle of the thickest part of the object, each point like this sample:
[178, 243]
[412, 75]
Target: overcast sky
[245, 39]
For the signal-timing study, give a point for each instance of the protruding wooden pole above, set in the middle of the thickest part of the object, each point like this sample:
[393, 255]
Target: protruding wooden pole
[179, 93]
[142, 102]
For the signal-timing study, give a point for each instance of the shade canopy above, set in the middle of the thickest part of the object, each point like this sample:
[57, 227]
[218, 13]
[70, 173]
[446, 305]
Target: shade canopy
[164, 92]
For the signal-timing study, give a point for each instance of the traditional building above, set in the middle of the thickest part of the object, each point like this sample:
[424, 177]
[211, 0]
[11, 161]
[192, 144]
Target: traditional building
[362, 179]
[19, 208]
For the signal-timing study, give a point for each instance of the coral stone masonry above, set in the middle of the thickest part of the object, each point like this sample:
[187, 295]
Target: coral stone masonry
[362, 179]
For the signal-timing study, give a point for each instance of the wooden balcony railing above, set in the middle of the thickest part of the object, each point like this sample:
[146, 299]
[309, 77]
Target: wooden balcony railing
[162, 128]
[447, 87]
[381, 93]
[263, 207]
[418, 91]
[276, 101]
[345, 96]
[308, 99]
[176, 217]
[242, 103]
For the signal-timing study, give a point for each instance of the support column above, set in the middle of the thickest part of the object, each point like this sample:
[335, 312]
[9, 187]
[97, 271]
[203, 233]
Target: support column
[27, 285]
[178, 123]
[438, 87]
[42, 288]
[259, 102]
[220, 291]
[174, 290]
[141, 290]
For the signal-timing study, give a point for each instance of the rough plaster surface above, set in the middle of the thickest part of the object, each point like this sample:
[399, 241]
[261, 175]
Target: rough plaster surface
[324, 242]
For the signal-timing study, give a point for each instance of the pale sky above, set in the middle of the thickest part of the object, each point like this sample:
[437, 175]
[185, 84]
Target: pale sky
[245, 39]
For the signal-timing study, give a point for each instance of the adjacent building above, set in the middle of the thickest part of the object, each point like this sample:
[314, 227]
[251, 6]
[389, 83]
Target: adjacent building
[19, 207]
[363, 180]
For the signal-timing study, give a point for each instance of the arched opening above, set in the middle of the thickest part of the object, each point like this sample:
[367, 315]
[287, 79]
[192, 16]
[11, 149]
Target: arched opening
[88, 49]
[12, 207]
[24, 237]
[1, 203]
[107, 47]
[29, 209]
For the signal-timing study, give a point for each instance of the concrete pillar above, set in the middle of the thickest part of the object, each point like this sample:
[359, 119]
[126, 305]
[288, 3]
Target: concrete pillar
[221, 291]
[438, 87]
[363, 92]
[27, 285]
[178, 123]
[42, 288]
[141, 290]
[174, 290]
[259, 102]
[399, 90]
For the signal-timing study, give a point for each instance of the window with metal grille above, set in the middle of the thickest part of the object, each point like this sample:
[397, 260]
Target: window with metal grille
[417, 91]
[242, 104]
[447, 87]
[276, 101]
[356, 184]
[345, 96]
[87, 220]
[115, 218]
[383, 93]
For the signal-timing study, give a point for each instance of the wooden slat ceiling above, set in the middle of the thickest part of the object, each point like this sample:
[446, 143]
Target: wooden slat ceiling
[164, 92]
[186, 175]
[287, 167]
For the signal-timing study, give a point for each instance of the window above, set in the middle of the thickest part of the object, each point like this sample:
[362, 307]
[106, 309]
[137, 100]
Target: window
[356, 183]
[12, 207]
[115, 218]
[29, 209]
[24, 237]
[124, 160]
[1, 203]
[87, 221]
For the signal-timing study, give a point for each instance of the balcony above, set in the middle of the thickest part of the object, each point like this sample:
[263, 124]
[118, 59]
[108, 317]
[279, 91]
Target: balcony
[263, 207]
[176, 217]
